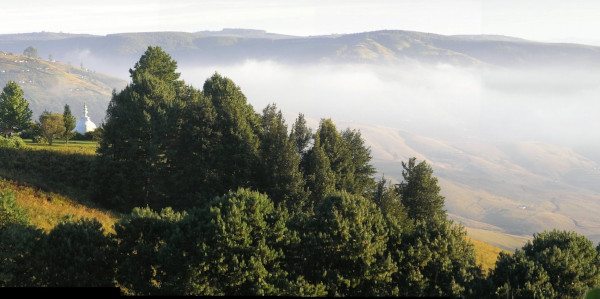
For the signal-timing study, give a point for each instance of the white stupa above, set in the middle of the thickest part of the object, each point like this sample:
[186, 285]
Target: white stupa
[84, 124]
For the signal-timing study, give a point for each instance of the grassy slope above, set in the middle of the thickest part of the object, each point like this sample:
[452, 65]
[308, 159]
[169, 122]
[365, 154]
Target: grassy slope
[485, 254]
[46, 209]
[498, 239]
[50, 85]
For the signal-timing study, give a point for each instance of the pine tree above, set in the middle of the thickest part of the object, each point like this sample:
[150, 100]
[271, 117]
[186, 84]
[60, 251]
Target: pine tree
[69, 121]
[238, 127]
[141, 128]
[236, 246]
[346, 247]
[320, 179]
[15, 114]
[437, 260]
[279, 174]
[360, 157]
[420, 192]
[301, 134]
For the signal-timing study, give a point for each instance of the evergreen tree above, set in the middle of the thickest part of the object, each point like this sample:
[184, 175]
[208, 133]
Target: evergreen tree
[237, 246]
[69, 121]
[320, 179]
[346, 247]
[194, 176]
[147, 263]
[360, 156]
[279, 176]
[349, 159]
[237, 146]
[142, 126]
[437, 261]
[516, 276]
[301, 134]
[420, 192]
[15, 115]
[570, 259]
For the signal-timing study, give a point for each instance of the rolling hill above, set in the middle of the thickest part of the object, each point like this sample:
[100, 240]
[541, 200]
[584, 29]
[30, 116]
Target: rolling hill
[109, 53]
[516, 188]
[49, 85]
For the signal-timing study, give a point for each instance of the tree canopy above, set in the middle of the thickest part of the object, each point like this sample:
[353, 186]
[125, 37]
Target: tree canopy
[15, 114]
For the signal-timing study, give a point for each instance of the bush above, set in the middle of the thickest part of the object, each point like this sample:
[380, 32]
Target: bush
[18, 265]
[10, 212]
[237, 243]
[562, 262]
[11, 142]
[78, 254]
[145, 252]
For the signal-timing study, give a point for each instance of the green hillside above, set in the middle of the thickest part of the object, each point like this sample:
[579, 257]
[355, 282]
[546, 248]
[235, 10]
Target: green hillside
[49, 85]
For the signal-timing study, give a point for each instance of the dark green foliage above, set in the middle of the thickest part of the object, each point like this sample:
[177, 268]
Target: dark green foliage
[142, 122]
[388, 199]
[566, 261]
[238, 241]
[19, 266]
[570, 259]
[77, 254]
[15, 115]
[194, 175]
[338, 158]
[279, 174]
[320, 178]
[420, 191]
[346, 247]
[437, 261]
[301, 134]
[69, 121]
[359, 178]
[238, 141]
[515, 276]
[61, 172]
[144, 258]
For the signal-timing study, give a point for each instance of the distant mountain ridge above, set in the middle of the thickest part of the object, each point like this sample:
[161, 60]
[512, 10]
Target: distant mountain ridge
[110, 52]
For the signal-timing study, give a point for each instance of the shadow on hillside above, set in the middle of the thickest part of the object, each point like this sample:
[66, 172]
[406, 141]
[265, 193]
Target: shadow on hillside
[68, 174]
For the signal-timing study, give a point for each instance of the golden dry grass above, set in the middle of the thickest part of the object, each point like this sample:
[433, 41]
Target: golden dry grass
[485, 254]
[46, 210]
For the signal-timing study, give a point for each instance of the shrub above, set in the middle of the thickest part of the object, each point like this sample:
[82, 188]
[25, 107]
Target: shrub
[10, 212]
[12, 142]
[18, 245]
[78, 254]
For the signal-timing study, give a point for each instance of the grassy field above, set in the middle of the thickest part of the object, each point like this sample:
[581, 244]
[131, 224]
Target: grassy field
[498, 239]
[73, 147]
[46, 209]
[485, 254]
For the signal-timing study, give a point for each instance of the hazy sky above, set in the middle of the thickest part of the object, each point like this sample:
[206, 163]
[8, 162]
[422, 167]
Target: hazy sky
[543, 20]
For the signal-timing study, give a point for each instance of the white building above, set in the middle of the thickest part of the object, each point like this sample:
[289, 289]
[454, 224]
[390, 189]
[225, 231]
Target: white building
[84, 124]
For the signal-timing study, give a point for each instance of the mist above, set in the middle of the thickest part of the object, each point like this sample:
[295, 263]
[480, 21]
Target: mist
[558, 106]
